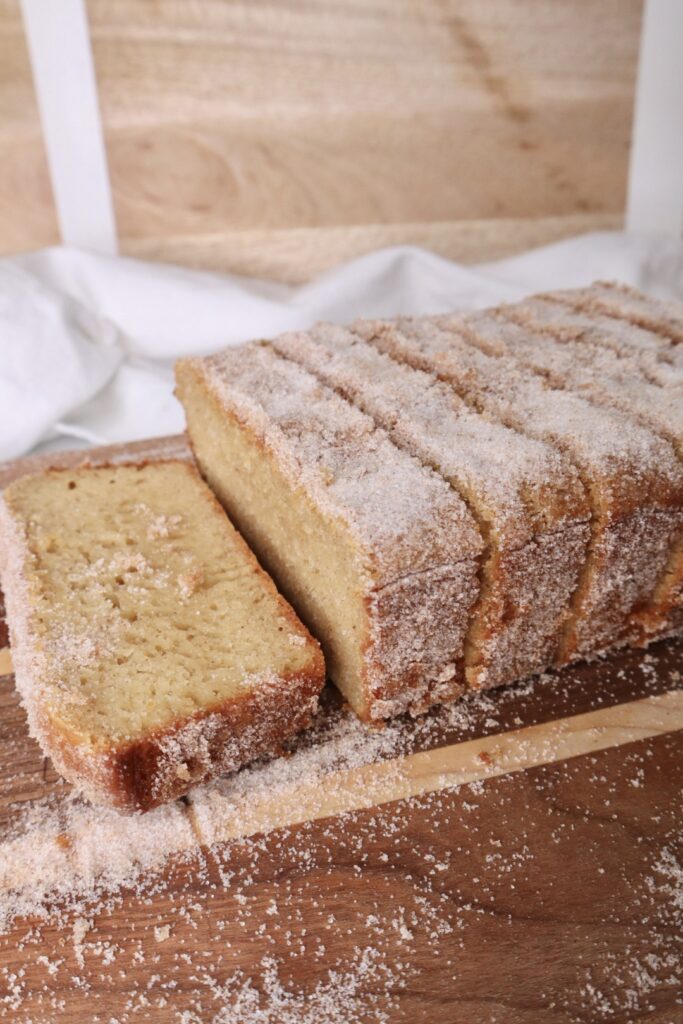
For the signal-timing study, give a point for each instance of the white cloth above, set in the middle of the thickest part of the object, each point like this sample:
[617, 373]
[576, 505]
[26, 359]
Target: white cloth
[87, 342]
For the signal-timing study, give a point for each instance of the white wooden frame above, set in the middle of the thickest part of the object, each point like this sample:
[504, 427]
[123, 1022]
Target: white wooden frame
[66, 88]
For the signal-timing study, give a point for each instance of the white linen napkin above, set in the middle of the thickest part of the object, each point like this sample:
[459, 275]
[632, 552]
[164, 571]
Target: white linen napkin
[87, 342]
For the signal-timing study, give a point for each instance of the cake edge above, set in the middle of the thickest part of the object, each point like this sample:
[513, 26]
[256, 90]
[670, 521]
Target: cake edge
[141, 774]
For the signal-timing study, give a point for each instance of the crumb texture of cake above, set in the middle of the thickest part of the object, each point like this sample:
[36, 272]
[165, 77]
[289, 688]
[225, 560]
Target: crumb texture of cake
[151, 650]
[526, 497]
[631, 476]
[375, 551]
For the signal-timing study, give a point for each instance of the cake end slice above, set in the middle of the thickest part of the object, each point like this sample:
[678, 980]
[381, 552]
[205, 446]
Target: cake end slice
[375, 551]
[151, 650]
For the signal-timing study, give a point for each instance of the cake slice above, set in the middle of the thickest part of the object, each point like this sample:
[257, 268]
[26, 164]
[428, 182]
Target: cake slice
[608, 376]
[151, 651]
[375, 551]
[631, 476]
[526, 497]
[640, 323]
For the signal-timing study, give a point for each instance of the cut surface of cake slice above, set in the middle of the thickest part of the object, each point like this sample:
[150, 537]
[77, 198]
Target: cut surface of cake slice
[527, 498]
[151, 650]
[375, 551]
[631, 477]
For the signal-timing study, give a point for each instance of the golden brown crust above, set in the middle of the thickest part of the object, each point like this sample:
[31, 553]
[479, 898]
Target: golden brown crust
[141, 775]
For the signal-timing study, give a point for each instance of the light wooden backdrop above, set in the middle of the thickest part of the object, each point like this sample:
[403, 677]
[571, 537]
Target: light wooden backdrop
[280, 137]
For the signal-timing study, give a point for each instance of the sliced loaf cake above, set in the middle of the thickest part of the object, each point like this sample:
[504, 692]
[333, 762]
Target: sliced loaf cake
[151, 650]
[377, 553]
[526, 497]
[612, 364]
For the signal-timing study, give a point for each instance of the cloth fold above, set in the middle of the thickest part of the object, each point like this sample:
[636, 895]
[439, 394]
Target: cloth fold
[87, 342]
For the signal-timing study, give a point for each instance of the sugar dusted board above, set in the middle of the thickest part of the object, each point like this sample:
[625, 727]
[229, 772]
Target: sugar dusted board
[516, 858]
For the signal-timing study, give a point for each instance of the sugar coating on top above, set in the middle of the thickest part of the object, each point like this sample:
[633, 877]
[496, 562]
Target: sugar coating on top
[664, 317]
[598, 375]
[518, 484]
[554, 354]
[400, 511]
[621, 458]
[634, 350]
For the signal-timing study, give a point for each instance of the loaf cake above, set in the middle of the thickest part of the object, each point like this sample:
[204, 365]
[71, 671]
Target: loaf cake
[151, 651]
[555, 427]
[375, 550]
[632, 477]
[526, 497]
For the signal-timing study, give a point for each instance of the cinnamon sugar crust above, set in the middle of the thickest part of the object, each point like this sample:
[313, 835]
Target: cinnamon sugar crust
[633, 350]
[664, 317]
[603, 377]
[375, 551]
[609, 376]
[527, 498]
[631, 476]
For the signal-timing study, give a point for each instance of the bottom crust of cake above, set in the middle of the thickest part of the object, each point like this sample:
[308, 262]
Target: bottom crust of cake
[159, 767]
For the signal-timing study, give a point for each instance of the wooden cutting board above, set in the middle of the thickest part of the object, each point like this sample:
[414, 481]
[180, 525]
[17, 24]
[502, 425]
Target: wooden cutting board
[517, 861]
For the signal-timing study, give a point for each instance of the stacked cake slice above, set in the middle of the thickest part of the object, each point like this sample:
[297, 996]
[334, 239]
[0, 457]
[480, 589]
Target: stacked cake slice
[632, 477]
[376, 551]
[459, 500]
[527, 499]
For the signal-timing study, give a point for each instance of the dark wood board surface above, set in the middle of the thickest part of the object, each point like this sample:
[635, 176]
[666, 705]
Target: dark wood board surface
[552, 894]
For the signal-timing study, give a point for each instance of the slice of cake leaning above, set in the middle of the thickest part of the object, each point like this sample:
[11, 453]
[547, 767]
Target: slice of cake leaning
[151, 650]
[375, 551]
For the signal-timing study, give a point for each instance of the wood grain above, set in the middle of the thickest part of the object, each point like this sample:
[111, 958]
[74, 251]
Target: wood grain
[219, 818]
[544, 898]
[475, 128]
[295, 255]
[503, 867]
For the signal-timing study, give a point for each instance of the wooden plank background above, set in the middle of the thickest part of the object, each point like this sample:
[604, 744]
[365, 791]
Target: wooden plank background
[278, 138]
